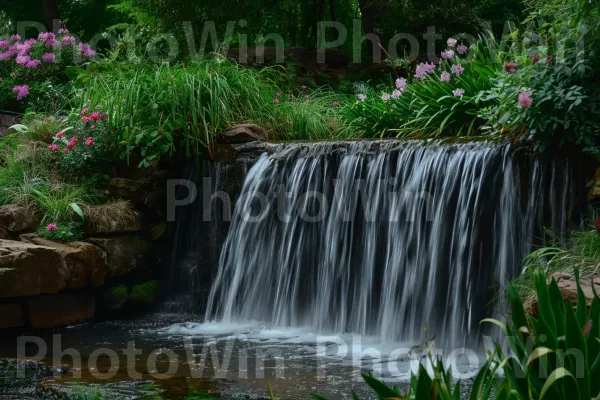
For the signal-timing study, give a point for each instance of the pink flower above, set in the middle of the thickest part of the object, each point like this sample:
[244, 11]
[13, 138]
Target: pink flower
[123, 101]
[51, 227]
[84, 112]
[53, 147]
[60, 135]
[362, 97]
[458, 92]
[525, 100]
[31, 142]
[396, 94]
[95, 116]
[448, 54]
[85, 50]
[68, 41]
[4, 44]
[52, 43]
[276, 101]
[548, 59]
[30, 42]
[534, 58]
[457, 69]
[22, 59]
[462, 49]
[510, 67]
[6, 55]
[89, 142]
[334, 104]
[445, 77]
[277, 94]
[63, 31]
[401, 84]
[15, 38]
[386, 97]
[48, 57]
[47, 120]
[303, 87]
[1, 80]
[33, 64]
[423, 69]
[93, 127]
[452, 42]
[46, 36]
[21, 91]
[86, 119]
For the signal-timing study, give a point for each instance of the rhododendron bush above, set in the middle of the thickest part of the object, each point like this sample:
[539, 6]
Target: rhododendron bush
[27, 65]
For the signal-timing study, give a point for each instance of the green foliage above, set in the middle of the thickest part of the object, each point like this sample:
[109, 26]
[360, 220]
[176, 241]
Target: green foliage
[556, 354]
[145, 293]
[115, 297]
[581, 249]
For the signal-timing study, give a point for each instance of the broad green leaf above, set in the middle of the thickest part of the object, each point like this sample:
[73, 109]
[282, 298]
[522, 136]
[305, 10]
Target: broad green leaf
[557, 374]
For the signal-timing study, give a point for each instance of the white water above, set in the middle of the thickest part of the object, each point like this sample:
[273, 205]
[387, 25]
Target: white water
[404, 244]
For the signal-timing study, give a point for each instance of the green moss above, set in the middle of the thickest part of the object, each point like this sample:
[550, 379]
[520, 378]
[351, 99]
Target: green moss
[115, 297]
[145, 293]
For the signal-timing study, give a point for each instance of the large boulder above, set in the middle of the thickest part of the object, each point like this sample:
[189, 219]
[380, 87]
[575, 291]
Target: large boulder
[27, 269]
[60, 310]
[14, 219]
[12, 316]
[124, 253]
[85, 263]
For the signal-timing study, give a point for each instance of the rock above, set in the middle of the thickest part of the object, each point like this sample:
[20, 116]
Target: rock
[568, 287]
[4, 233]
[121, 221]
[124, 253]
[14, 218]
[85, 263]
[28, 269]
[60, 310]
[127, 189]
[242, 133]
[12, 316]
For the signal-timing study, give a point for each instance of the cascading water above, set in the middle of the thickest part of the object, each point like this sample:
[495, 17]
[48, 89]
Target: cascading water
[398, 240]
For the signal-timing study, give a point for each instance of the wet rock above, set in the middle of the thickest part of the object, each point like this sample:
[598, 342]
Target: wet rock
[242, 133]
[27, 269]
[60, 310]
[124, 254]
[86, 264]
[14, 218]
[11, 316]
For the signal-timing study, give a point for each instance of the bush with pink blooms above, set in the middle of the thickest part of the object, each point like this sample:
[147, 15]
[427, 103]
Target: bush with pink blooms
[85, 145]
[28, 65]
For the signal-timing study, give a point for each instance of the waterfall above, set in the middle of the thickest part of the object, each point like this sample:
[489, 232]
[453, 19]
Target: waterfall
[396, 240]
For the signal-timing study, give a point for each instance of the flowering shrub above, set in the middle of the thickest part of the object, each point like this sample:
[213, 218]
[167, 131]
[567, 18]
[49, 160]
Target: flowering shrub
[86, 145]
[64, 232]
[26, 64]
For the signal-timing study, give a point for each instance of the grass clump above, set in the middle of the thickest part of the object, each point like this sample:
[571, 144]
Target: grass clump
[113, 216]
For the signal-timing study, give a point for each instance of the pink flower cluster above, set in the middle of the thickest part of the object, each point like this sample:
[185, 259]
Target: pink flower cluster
[48, 57]
[85, 50]
[423, 69]
[462, 49]
[445, 77]
[525, 100]
[401, 84]
[458, 92]
[21, 91]
[51, 227]
[448, 54]
[457, 69]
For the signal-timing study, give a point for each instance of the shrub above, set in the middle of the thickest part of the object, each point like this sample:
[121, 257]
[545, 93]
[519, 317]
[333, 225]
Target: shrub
[27, 67]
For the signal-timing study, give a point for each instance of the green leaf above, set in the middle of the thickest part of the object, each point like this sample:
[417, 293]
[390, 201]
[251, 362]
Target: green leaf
[75, 207]
[381, 388]
[557, 374]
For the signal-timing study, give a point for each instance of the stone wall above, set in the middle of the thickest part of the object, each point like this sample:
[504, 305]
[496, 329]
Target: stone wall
[8, 119]
[45, 284]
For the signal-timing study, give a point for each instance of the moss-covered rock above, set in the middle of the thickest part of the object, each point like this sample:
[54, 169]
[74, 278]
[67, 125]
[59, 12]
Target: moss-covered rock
[145, 293]
[115, 297]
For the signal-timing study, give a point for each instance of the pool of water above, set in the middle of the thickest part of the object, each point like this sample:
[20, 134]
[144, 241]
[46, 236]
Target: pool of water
[169, 353]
